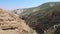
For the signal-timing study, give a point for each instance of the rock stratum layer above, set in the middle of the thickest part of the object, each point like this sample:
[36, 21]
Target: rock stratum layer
[11, 24]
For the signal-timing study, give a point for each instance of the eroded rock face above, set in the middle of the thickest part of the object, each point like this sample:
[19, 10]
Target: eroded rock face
[11, 24]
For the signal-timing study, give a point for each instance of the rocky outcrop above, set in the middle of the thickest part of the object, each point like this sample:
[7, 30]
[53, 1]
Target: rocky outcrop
[11, 24]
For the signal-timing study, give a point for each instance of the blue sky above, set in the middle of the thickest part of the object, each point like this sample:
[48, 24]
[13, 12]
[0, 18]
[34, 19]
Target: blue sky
[15, 4]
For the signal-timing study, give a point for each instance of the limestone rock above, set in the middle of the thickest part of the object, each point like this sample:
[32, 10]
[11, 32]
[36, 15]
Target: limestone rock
[12, 24]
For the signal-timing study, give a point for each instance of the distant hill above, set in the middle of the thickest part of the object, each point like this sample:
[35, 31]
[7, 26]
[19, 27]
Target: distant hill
[42, 17]
[28, 11]
[33, 9]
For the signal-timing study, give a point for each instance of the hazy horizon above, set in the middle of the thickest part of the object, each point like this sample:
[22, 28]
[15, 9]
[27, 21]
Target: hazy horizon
[15, 4]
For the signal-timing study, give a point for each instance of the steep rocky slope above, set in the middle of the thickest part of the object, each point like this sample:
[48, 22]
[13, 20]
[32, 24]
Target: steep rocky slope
[12, 24]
